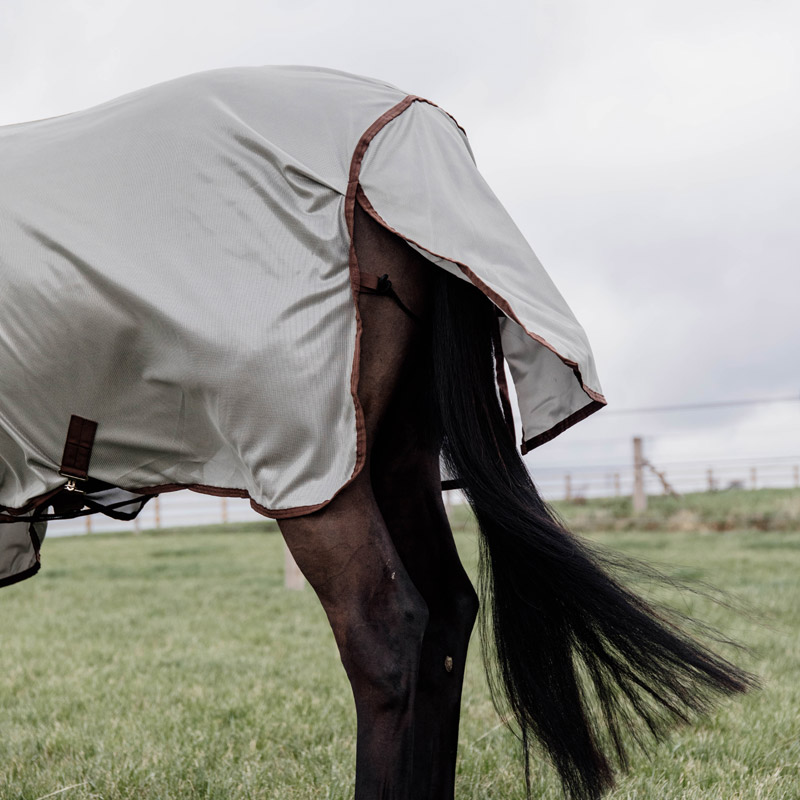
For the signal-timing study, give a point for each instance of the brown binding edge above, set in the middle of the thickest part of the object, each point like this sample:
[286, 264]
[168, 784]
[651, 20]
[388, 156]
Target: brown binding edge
[567, 422]
[355, 272]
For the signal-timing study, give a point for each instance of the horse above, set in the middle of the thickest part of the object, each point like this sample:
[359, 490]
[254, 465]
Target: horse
[576, 660]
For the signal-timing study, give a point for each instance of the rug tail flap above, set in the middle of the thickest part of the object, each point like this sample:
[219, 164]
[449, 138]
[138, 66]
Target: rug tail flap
[420, 180]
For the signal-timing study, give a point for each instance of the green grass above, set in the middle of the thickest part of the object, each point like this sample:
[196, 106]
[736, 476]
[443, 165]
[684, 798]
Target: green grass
[174, 665]
[762, 510]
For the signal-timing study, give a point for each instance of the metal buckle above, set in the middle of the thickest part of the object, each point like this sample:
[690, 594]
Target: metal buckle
[72, 485]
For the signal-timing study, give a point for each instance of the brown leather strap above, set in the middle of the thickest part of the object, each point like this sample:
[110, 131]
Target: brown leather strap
[78, 448]
[367, 281]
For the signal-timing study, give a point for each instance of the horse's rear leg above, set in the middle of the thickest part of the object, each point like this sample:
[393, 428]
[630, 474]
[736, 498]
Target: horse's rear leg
[378, 619]
[407, 484]
[346, 553]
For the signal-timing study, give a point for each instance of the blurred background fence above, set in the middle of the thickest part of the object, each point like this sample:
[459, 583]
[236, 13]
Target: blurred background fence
[174, 509]
[609, 480]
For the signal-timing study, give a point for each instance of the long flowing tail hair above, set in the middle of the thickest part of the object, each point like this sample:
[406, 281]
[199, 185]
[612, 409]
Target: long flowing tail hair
[584, 664]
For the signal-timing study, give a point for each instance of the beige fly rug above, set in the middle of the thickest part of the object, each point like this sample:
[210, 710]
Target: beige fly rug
[178, 289]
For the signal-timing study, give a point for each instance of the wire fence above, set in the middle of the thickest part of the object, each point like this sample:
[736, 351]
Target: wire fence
[683, 477]
[175, 509]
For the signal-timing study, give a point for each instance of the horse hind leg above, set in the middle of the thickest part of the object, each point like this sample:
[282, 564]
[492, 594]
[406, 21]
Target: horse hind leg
[345, 551]
[405, 475]
[378, 620]
[407, 483]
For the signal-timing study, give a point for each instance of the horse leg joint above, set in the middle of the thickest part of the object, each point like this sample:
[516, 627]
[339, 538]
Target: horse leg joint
[382, 641]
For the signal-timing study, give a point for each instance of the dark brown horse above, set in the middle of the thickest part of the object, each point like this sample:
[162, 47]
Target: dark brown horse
[190, 248]
[382, 559]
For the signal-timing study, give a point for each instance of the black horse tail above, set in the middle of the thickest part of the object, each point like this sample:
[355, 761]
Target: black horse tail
[583, 663]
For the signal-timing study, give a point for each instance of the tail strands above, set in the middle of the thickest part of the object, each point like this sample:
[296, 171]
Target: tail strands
[583, 664]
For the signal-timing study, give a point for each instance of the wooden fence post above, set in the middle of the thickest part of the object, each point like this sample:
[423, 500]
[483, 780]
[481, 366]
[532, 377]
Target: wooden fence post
[617, 485]
[711, 484]
[157, 503]
[292, 577]
[568, 487]
[224, 510]
[639, 496]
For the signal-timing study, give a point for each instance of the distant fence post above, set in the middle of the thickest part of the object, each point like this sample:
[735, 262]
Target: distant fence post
[292, 577]
[639, 496]
[617, 485]
[224, 510]
[753, 478]
[796, 474]
[711, 485]
[568, 487]
[157, 504]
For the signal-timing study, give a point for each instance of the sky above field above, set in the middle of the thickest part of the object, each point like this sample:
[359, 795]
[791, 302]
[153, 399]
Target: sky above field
[647, 150]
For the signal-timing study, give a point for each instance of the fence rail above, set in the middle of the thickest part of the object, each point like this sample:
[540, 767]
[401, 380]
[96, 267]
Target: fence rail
[610, 481]
[175, 509]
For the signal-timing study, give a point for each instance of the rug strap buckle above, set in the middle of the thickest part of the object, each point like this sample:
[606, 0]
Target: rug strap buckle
[77, 453]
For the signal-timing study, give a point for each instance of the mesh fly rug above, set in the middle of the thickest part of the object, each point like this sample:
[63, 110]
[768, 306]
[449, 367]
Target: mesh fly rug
[178, 288]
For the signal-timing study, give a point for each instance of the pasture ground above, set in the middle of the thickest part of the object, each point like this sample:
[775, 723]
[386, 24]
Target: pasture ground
[173, 666]
[762, 510]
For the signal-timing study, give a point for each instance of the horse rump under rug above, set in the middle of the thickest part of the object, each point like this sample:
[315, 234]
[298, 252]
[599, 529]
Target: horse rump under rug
[178, 289]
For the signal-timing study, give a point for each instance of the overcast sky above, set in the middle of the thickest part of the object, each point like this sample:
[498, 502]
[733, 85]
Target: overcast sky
[648, 150]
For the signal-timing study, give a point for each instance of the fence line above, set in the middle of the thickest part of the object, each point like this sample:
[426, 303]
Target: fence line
[175, 509]
[571, 483]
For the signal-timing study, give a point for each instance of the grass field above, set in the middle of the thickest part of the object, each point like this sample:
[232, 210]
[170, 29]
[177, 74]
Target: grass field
[174, 665]
[762, 510]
